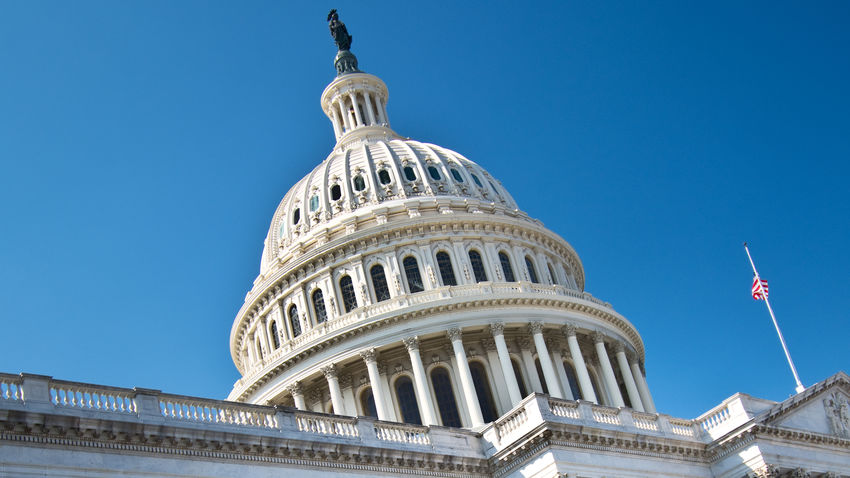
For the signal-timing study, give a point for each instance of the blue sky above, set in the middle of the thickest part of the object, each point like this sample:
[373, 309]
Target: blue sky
[145, 145]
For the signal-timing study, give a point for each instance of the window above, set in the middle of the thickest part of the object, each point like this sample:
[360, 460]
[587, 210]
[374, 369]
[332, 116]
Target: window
[482, 389]
[409, 173]
[296, 215]
[456, 175]
[336, 192]
[259, 347]
[477, 266]
[349, 300]
[445, 397]
[506, 267]
[379, 282]
[519, 379]
[407, 401]
[384, 176]
[572, 380]
[477, 181]
[552, 275]
[359, 183]
[447, 272]
[282, 229]
[314, 203]
[411, 270]
[275, 337]
[434, 173]
[367, 403]
[532, 272]
[294, 322]
[540, 375]
[319, 306]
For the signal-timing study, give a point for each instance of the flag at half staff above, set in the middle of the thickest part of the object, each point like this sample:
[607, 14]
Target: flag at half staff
[759, 288]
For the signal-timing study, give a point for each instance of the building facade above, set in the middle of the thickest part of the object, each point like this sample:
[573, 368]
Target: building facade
[409, 318]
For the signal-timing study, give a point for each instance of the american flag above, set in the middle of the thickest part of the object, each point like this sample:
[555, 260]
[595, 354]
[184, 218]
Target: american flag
[759, 288]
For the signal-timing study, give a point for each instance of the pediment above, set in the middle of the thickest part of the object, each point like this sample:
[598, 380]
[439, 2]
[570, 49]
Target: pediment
[824, 408]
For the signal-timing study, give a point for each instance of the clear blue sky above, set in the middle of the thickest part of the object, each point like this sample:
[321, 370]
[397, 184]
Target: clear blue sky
[145, 145]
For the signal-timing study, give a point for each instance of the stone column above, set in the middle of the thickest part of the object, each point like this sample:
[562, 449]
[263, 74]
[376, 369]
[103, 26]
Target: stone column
[378, 104]
[643, 388]
[335, 120]
[388, 394]
[346, 120]
[631, 388]
[297, 393]
[469, 394]
[500, 387]
[354, 103]
[498, 331]
[336, 393]
[607, 370]
[348, 400]
[383, 106]
[423, 391]
[370, 112]
[536, 329]
[555, 350]
[528, 363]
[371, 358]
[581, 368]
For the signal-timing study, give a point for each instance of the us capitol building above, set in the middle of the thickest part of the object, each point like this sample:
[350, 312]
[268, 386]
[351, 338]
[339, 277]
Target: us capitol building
[410, 319]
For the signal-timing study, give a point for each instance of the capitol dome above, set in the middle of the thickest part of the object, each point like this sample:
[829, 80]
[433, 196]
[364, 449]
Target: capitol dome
[401, 280]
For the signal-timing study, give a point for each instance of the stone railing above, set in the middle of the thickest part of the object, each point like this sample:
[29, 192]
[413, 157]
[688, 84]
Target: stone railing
[403, 433]
[215, 411]
[10, 387]
[91, 397]
[326, 424]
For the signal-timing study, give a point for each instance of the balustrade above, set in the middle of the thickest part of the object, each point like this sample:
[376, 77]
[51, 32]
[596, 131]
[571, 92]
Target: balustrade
[91, 397]
[401, 433]
[327, 425]
[715, 418]
[563, 408]
[682, 427]
[213, 411]
[611, 416]
[10, 387]
[646, 421]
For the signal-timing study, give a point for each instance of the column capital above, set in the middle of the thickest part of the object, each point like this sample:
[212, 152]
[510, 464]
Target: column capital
[369, 355]
[330, 371]
[453, 334]
[412, 343]
[295, 388]
[497, 328]
[597, 337]
[619, 347]
[569, 330]
[535, 327]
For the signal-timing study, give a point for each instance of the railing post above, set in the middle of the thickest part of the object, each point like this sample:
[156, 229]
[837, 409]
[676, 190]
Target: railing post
[36, 391]
[147, 404]
[285, 418]
[366, 431]
[626, 418]
[585, 410]
[664, 424]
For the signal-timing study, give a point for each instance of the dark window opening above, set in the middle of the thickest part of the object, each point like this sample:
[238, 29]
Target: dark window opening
[434, 173]
[447, 272]
[477, 266]
[445, 397]
[359, 183]
[506, 267]
[379, 282]
[336, 192]
[456, 175]
[532, 272]
[482, 389]
[275, 337]
[294, 322]
[477, 181]
[319, 306]
[367, 403]
[409, 173]
[414, 279]
[349, 299]
[384, 176]
[407, 401]
[296, 216]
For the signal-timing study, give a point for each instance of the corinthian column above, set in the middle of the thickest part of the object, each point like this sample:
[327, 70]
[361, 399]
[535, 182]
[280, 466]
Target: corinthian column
[468, 387]
[643, 388]
[423, 392]
[498, 331]
[581, 368]
[330, 373]
[371, 358]
[607, 370]
[536, 329]
[297, 393]
[631, 388]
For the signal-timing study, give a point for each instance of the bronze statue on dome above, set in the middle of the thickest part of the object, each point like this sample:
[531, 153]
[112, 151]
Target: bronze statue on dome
[339, 32]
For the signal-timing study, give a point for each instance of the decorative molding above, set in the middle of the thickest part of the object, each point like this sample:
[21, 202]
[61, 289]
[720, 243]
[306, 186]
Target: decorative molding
[569, 330]
[411, 343]
[369, 355]
[295, 388]
[330, 371]
[497, 328]
[597, 337]
[454, 334]
[535, 327]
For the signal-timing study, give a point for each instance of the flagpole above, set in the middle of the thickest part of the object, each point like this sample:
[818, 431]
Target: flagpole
[800, 386]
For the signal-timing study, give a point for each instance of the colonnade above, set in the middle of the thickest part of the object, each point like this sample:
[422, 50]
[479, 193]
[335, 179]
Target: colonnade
[356, 108]
[504, 382]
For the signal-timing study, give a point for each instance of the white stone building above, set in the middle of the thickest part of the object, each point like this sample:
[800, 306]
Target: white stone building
[409, 318]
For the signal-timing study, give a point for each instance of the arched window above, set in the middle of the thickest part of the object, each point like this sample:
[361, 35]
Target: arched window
[319, 306]
[409, 173]
[447, 272]
[484, 392]
[572, 379]
[275, 337]
[314, 203]
[445, 397]
[379, 282]
[506, 267]
[411, 271]
[434, 173]
[456, 175]
[552, 275]
[519, 378]
[407, 401]
[259, 347]
[359, 183]
[336, 192]
[367, 403]
[294, 322]
[349, 299]
[540, 375]
[477, 181]
[296, 215]
[532, 272]
[384, 176]
[477, 266]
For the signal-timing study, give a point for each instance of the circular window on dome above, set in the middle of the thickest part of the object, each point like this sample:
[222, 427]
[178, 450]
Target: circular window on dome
[359, 183]
[296, 215]
[434, 173]
[314, 203]
[409, 173]
[456, 175]
[384, 176]
[477, 181]
[336, 192]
